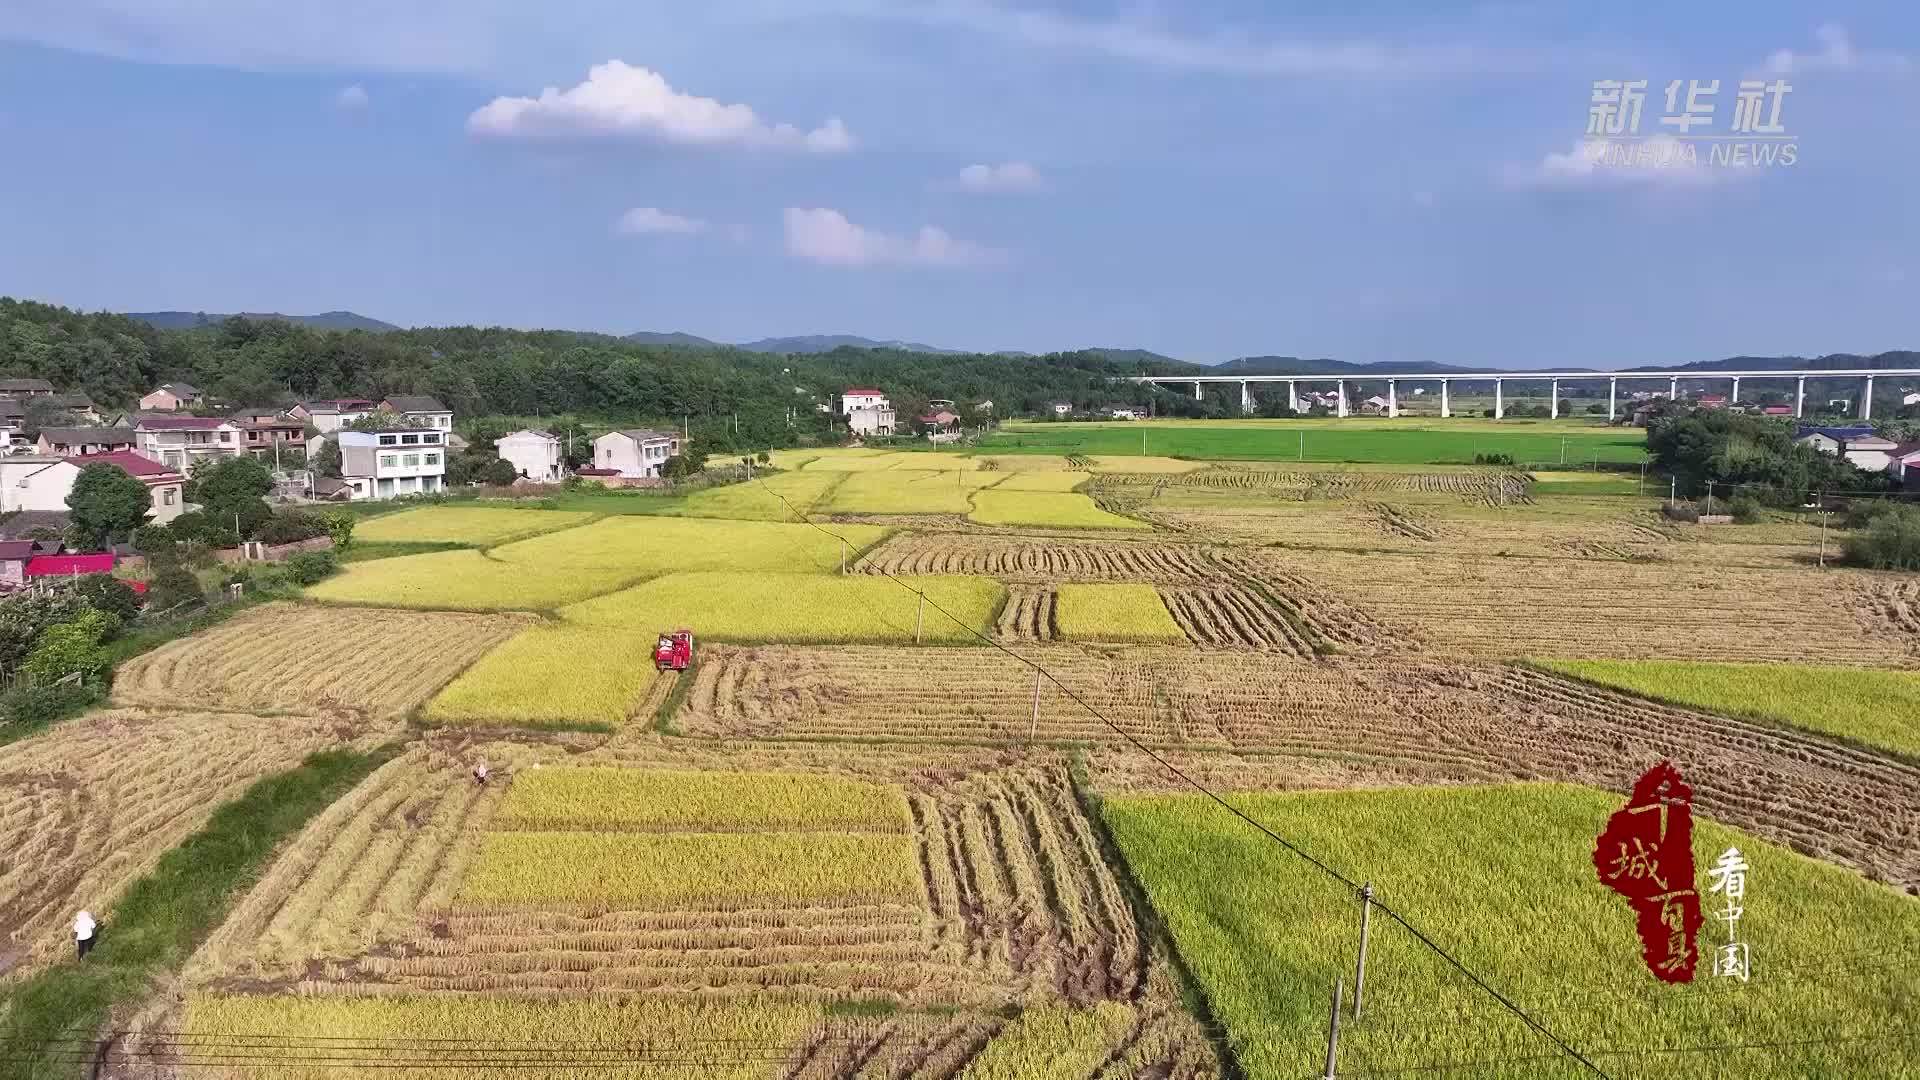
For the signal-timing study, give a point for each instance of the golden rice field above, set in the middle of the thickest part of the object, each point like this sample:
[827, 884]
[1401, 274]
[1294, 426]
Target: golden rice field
[666, 800]
[284, 656]
[900, 492]
[771, 497]
[552, 676]
[705, 871]
[480, 526]
[1053, 1043]
[91, 804]
[636, 546]
[469, 581]
[1129, 613]
[864, 460]
[429, 1037]
[1043, 480]
[800, 607]
[1046, 508]
[1489, 871]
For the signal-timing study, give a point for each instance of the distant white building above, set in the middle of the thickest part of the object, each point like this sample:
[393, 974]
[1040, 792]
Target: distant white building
[1125, 412]
[1858, 445]
[634, 452]
[332, 414]
[1911, 397]
[421, 410]
[36, 482]
[387, 464]
[533, 454]
[1060, 408]
[179, 441]
[868, 411]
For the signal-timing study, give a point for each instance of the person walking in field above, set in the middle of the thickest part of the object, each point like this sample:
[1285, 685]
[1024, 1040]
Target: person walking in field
[83, 933]
[480, 774]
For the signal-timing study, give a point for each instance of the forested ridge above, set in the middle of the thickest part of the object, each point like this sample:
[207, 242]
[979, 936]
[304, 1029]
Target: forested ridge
[496, 371]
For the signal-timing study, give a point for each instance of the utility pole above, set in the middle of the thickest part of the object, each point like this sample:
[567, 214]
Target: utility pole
[919, 617]
[1824, 515]
[1643, 478]
[1673, 488]
[1333, 1030]
[1709, 497]
[1360, 972]
[1033, 726]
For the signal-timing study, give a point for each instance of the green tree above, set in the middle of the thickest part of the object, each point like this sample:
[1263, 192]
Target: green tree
[72, 647]
[105, 506]
[235, 488]
[499, 472]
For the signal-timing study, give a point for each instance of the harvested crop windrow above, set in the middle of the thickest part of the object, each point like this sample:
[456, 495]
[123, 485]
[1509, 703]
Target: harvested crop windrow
[90, 805]
[1039, 561]
[1400, 521]
[1005, 893]
[1487, 488]
[1441, 721]
[1891, 603]
[1479, 606]
[1028, 614]
[1234, 618]
[306, 657]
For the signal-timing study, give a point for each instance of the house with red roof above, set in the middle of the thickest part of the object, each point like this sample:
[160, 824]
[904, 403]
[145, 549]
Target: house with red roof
[867, 409]
[179, 441]
[164, 485]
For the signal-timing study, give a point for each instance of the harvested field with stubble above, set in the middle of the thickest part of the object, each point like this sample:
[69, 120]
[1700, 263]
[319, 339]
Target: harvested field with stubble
[1048, 561]
[93, 803]
[1235, 618]
[1441, 722]
[303, 657]
[1011, 899]
[1027, 615]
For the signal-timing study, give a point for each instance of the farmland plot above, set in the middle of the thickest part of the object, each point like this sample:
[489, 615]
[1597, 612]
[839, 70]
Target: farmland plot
[93, 803]
[1046, 508]
[480, 526]
[901, 492]
[1008, 896]
[469, 581]
[1115, 613]
[552, 676]
[1499, 859]
[284, 656]
[1013, 558]
[644, 546]
[1446, 722]
[1028, 614]
[800, 607]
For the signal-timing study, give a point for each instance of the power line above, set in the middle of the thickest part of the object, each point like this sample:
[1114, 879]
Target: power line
[1216, 798]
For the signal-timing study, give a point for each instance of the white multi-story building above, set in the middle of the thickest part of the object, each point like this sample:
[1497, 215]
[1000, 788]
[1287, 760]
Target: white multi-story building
[420, 410]
[179, 441]
[533, 454]
[635, 452]
[386, 464]
[332, 414]
[868, 411]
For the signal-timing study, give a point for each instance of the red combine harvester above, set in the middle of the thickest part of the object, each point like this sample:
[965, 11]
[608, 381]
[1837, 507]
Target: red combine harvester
[674, 652]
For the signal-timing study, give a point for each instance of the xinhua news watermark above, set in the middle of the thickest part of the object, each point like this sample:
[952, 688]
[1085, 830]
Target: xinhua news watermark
[1686, 135]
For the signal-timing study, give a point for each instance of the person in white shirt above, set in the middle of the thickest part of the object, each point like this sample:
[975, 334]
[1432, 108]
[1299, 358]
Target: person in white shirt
[83, 933]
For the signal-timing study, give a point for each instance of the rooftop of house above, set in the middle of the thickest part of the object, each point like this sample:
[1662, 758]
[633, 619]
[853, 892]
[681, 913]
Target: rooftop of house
[16, 550]
[170, 422]
[412, 403]
[862, 391]
[141, 466]
[41, 386]
[642, 435]
[70, 436]
[547, 435]
[11, 407]
[335, 405]
[359, 437]
[18, 525]
[1836, 431]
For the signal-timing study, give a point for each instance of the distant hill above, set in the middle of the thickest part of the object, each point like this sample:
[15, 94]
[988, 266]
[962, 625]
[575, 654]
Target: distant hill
[654, 337]
[1135, 356]
[819, 343]
[326, 320]
[1899, 359]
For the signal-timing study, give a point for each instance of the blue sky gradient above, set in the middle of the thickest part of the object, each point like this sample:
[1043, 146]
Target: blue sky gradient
[1204, 179]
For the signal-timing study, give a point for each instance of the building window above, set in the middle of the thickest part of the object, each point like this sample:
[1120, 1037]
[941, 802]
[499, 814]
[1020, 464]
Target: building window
[433, 459]
[388, 440]
[387, 460]
[411, 461]
[409, 440]
[226, 436]
[431, 439]
[166, 496]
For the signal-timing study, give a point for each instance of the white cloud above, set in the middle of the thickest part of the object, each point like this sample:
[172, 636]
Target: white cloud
[352, 97]
[1660, 160]
[1233, 51]
[618, 99]
[1008, 176]
[1836, 54]
[826, 236]
[644, 220]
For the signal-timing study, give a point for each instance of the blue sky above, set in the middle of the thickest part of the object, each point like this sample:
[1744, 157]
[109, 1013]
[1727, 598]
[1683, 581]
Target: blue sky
[1378, 182]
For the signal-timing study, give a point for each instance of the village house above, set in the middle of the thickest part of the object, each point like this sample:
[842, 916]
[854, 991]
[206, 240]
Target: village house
[332, 414]
[1910, 397]
[14, 555]
[1060, 408]
[179, 441]
[867, 410]
[25, 387]
[1375, 405]
[69, 441]
[172, 397]
[1903, 463]
[938, 420]
[633, 453]
[263, 437]
[36, 482]
[984, 406]
[164, 486]
[1125, 412]
[420, 410]
[13, 415]
[535, 455]
[79, 406]
[392, 462]
[1857, 444]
